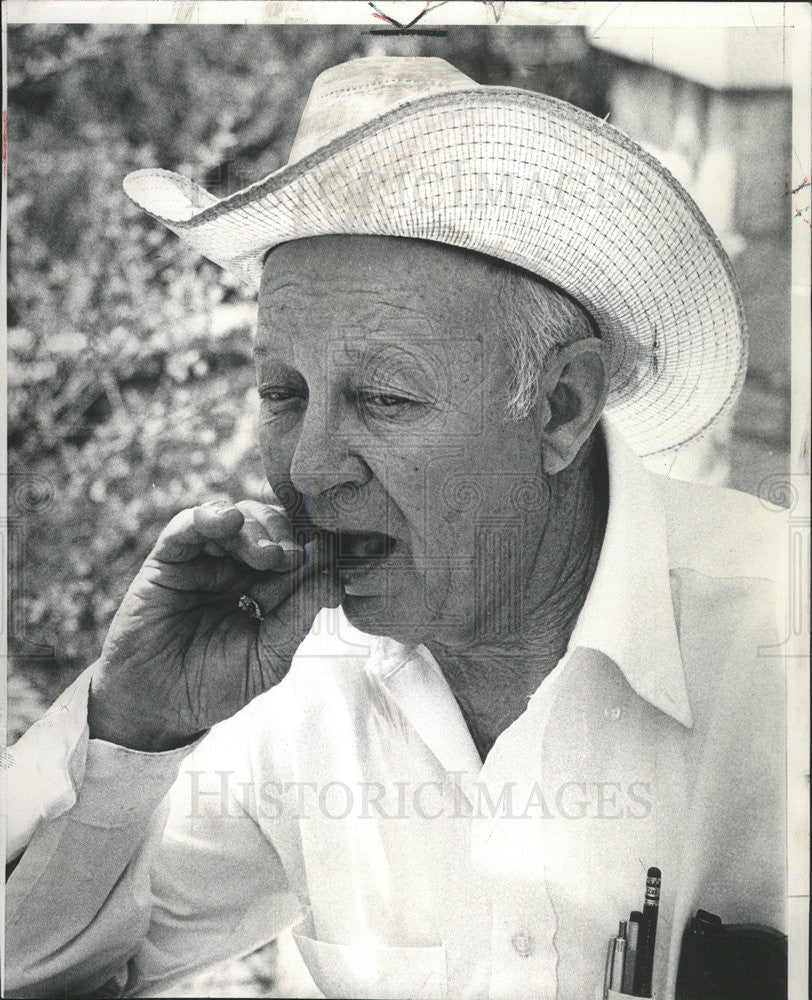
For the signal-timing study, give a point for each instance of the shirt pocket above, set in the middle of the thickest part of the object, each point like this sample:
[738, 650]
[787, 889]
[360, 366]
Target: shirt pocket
[374, 971]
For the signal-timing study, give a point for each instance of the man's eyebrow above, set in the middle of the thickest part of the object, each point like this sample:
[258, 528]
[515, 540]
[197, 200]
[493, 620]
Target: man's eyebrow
[271, 362]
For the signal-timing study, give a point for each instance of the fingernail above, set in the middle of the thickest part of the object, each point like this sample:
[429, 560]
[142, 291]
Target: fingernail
[289, 546]
[264, 543]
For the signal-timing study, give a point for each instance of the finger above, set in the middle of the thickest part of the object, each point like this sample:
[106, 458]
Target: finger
[286, 626]
[272, 591]
[188, 532]
[272, 517]
[218, 518]
[219, 528]
[253, 546]
[257, 551]
[264, 524]
[319, 582]
[214, 549]
[265, 540]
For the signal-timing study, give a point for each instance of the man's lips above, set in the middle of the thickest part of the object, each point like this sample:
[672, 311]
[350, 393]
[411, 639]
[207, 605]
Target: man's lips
[359, 554]
[355, 556]
[349, 548]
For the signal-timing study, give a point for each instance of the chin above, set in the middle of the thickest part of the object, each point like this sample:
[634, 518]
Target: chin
[374, 615]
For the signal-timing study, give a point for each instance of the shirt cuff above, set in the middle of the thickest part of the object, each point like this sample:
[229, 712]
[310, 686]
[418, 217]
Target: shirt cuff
[48, 765]
[122, 786]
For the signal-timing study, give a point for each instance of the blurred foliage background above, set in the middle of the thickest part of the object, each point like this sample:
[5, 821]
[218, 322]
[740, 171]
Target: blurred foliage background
[130, 382]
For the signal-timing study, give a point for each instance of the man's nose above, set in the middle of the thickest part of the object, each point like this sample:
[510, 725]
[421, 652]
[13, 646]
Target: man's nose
[323, 458]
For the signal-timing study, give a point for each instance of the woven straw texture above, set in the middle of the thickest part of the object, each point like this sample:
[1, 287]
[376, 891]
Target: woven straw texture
[531, 180]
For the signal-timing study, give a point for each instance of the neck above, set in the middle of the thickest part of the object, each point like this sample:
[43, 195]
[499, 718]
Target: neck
[493, 677]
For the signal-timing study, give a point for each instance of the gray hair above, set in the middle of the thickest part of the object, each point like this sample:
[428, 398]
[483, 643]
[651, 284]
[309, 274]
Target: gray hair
[535, 316]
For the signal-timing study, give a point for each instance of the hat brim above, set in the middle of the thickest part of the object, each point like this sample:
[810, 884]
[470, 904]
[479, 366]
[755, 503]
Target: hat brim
[531, 180]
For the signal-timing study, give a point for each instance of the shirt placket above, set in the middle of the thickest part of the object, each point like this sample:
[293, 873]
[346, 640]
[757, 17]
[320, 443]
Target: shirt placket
[523, 957]
[507, 856]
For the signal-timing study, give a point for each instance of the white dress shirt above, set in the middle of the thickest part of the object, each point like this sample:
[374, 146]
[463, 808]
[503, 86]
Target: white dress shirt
[351, 800]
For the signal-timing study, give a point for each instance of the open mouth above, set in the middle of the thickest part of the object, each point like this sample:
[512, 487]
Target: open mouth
[354, 547]
[351, 554]
[359, 558]
[354, 555]
[358, 554]
[349, 548]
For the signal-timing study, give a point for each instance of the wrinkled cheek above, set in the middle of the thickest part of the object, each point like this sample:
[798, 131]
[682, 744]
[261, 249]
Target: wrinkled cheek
[499, 583]
[478, 587]
[447, 588]
[444, 554]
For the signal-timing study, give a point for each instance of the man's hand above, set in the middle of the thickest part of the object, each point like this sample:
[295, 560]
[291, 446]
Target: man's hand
[181, 654]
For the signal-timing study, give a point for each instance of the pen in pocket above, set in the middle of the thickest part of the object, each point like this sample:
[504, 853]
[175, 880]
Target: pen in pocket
[631, 952]
[618, 958]
[629, 967]
[647, 935]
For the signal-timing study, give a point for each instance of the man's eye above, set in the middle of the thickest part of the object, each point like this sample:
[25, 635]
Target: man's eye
[277, 394]
[383, 399]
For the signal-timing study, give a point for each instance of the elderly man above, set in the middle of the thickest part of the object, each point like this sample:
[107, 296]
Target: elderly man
[532, 668]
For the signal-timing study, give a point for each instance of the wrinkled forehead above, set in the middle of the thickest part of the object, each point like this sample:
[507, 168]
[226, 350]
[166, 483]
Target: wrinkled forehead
[343, 287]
[399, 271]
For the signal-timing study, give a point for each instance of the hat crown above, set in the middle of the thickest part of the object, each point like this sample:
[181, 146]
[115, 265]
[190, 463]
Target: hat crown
[360, 90]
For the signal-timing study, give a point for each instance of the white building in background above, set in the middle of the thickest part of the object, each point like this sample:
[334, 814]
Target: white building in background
[715, 106]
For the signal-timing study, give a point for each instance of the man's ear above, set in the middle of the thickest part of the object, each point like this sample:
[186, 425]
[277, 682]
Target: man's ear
[572, 393]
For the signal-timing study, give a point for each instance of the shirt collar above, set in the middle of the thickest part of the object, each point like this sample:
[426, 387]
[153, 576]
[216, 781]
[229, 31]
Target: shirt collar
[628, 614]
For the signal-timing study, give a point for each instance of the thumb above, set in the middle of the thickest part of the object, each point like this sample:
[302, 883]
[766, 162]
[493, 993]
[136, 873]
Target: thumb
[282, 631]
[297, 597]
[320, 588]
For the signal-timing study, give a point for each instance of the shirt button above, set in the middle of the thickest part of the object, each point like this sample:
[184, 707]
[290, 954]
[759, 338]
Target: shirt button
[612, 713]
[523, 943]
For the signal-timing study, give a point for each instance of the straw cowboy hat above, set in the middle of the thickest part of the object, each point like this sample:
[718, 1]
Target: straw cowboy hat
[412, 147]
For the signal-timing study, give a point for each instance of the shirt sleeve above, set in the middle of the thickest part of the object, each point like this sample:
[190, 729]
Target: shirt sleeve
[129, 873]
